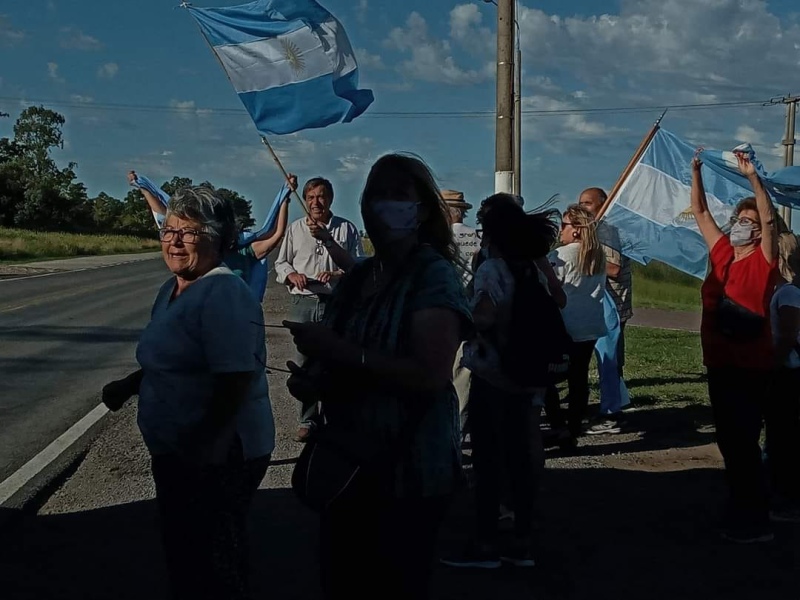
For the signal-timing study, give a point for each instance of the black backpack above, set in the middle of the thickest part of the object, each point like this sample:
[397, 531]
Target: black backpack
[536, 352]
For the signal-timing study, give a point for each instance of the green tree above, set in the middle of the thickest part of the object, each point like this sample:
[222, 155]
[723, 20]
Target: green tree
[12, 188]
[37, 131]
[242, 208]
[135, 217]
[176, 183]
[34, 192]
[107, 212]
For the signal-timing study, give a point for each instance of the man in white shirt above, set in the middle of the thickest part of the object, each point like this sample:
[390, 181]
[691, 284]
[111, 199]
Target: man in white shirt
[466, 237]
[315, 253]
[468, 244]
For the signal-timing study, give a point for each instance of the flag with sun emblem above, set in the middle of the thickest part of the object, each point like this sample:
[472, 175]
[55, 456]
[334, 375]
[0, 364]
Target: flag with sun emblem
[652, 209]
[290, 62]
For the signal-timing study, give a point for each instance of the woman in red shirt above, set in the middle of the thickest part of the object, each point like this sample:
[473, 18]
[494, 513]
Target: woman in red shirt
[737, 344]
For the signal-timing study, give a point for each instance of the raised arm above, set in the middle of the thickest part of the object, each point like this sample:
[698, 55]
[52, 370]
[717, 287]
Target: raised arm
[156, 206]
[705, 220]
[269, 240]
[766, 212]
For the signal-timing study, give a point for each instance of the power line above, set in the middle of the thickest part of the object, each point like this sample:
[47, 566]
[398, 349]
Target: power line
[468, 114]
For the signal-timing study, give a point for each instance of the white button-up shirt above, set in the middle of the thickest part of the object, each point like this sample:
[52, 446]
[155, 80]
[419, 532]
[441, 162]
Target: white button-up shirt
[302, 253]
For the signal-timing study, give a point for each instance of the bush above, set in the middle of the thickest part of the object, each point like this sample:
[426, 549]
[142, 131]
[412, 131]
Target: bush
[21, 244]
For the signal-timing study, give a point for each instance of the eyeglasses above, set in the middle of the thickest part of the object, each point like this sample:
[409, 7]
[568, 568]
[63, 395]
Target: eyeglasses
[187, 236]
[745, 221]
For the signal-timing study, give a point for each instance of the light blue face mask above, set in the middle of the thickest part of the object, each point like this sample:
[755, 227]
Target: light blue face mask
[741, 234]
[398, 217]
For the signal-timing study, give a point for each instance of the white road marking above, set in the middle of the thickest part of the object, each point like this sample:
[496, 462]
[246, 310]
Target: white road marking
[34, 466]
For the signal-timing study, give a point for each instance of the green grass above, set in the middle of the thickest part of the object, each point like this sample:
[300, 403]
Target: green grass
[664, 367]
[660, 286]
[17, 245]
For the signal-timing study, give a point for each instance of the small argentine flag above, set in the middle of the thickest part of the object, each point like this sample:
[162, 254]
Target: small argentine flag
[290, 61]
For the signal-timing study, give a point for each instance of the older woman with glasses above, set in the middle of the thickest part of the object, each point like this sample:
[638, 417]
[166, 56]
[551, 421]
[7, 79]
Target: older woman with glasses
[737, 345]
[204, 408]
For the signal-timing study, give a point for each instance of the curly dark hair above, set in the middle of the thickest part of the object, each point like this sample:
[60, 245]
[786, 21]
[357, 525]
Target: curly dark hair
[516, 234]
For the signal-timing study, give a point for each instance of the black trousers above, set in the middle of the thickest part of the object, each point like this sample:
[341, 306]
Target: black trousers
[782, 420]
[580, 355]
[738, 399]
[203, 512]
[375, 546]
[507, 453]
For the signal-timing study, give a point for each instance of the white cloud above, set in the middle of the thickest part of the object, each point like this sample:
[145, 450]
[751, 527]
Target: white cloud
[108, 70]
[464, 22]
[556, 131]
[75, 39]
[8, 35]
[81, 99]
[746, 133]
[653, 51]
[52, 72]
[182, 104]
[368, 60]
[431, 58]
[188, 109]
[361, 11]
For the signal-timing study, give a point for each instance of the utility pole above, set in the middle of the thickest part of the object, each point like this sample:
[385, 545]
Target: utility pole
[788, 145]
[504, 136]
[518, 120]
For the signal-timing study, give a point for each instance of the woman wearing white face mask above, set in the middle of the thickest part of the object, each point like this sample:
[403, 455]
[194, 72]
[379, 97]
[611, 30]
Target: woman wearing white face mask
[383, 360]
[737, 344]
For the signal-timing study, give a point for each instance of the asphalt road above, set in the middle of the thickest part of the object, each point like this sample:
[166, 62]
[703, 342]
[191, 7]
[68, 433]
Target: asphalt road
[63, 336]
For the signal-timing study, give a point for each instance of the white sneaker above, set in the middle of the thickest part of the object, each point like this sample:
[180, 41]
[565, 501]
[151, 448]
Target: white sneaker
[606, 426]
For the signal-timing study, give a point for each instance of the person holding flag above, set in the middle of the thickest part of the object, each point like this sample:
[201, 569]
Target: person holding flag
[737, 343]
[317, 251]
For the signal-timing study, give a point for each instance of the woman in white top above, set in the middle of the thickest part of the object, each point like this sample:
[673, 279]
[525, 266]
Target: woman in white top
[580, 266]
[782, 411]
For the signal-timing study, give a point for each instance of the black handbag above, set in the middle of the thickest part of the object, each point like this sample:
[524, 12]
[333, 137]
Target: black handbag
[738, 322]
[335, 457]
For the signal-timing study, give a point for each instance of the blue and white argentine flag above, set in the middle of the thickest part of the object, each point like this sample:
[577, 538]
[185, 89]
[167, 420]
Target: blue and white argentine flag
[652, 209]
[290, 61]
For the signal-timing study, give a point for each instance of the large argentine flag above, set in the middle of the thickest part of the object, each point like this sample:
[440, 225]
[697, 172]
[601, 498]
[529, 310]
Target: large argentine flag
[783, 185]
[290, 61]
[652, 209]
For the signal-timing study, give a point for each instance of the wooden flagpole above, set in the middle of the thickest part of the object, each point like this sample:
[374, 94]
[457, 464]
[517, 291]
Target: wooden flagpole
[285, 175]
[631, 164]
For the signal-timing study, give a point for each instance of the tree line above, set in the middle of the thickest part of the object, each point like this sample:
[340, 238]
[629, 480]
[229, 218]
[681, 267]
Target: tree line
[37, 194]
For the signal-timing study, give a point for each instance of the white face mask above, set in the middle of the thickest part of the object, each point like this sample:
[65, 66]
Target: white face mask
[398, 217]
[741, 234]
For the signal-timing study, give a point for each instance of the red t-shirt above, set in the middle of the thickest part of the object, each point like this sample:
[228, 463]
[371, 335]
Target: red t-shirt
[749, 282]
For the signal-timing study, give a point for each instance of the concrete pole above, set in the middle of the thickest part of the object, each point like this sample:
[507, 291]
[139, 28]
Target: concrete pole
[788, 144]
[518, 122]
[504, 136]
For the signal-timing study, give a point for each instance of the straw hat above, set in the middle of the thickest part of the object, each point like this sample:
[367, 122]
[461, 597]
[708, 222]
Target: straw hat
[455, 199]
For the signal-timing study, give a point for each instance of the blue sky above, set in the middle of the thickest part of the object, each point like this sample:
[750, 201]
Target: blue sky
[417, 55]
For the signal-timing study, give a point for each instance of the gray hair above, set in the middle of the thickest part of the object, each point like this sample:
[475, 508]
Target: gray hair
[202, 204]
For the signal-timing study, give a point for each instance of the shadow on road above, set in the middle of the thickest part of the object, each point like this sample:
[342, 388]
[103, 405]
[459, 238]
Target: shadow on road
[605, 534]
